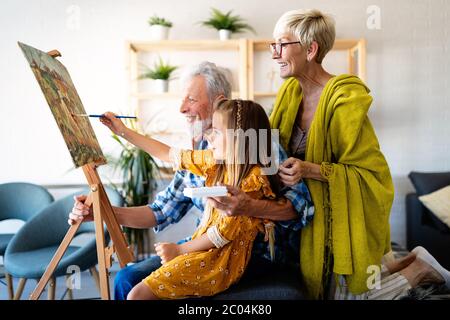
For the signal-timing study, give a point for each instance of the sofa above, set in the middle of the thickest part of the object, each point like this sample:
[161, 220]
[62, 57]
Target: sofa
[423, 227]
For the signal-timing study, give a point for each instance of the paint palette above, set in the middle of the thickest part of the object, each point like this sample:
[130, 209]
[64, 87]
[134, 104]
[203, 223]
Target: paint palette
[202, 192]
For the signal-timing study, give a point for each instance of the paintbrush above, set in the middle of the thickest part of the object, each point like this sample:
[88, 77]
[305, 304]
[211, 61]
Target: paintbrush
[101, 116]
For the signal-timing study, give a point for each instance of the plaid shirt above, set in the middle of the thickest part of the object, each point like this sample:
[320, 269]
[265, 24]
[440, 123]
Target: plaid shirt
[171, 205]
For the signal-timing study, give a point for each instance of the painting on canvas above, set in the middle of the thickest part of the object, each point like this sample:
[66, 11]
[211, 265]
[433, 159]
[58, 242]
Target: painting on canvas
[64, 102]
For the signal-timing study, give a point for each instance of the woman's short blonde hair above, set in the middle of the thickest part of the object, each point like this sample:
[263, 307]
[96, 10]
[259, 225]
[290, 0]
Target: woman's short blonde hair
[308, 26]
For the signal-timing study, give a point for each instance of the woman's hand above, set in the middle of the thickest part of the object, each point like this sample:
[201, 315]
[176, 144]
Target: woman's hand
[167, 251]
[114, 124]
[80, 211]
[292, 171]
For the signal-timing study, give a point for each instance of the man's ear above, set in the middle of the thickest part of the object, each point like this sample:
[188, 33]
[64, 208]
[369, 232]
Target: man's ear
[313, 49]
[217, 99]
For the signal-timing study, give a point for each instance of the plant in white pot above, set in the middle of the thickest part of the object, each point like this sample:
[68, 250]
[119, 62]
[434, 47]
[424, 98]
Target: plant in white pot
[160, 73]
[226, 24]
[159, 27]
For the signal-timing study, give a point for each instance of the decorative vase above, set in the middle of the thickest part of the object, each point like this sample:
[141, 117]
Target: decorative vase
[159, 32]
[224, 34]
[162, 85]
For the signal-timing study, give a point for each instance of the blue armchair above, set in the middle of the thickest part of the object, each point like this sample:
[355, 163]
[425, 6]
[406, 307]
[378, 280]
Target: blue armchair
[20, 200]
[32, 248]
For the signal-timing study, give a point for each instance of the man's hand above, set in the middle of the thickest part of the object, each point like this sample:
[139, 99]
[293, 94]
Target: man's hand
[238, 203]
[80, 211]
[167, 251]
[114, 124]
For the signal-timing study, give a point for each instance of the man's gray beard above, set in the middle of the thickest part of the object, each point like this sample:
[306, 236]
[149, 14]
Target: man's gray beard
[199, 128]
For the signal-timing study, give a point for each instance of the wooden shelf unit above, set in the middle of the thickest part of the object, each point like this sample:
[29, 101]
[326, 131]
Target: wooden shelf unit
[134, 47]
[356, 59]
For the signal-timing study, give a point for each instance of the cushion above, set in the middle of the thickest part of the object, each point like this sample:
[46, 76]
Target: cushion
[427, 182]
[438, 202]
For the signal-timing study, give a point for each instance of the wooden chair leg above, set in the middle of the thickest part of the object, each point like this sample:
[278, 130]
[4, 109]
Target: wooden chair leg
[94, 274]
[69, 290]
[52, 288]
[19, 291]
[9, 283]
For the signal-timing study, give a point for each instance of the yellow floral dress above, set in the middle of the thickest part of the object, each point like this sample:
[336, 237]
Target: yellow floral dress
[206, 273]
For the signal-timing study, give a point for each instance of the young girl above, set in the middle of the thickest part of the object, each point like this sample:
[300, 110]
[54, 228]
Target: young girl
[220, 249]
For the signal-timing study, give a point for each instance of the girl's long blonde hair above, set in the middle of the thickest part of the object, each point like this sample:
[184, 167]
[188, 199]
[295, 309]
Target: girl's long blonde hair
[240, 116]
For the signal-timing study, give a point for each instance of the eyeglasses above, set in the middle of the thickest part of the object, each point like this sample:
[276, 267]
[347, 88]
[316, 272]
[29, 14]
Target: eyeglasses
[277, 47]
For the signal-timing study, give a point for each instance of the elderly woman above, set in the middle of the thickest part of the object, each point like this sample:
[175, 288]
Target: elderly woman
[324, 125]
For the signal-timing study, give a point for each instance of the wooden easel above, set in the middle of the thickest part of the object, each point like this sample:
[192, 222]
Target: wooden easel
[103, 213]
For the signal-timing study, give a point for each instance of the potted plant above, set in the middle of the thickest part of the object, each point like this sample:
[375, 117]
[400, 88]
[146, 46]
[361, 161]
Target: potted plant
[139, 172]
[159, 27]
[161, 73]
[226, 23]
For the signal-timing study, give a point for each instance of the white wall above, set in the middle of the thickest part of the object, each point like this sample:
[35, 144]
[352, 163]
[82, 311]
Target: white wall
[408, 72]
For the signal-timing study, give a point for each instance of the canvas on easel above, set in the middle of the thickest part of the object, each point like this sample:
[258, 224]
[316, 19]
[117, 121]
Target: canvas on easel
[64, 102]
[63, 99]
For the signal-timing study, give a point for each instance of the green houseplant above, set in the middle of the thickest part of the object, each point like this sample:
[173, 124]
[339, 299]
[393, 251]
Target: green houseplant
[161, 73]
[226, 23]
[139, 181]
[159, 27]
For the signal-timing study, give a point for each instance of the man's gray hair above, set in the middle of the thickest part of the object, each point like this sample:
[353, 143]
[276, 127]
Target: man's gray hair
[216, 78]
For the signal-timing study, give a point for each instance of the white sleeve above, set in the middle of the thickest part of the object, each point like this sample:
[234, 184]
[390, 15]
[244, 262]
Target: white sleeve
[216, 238]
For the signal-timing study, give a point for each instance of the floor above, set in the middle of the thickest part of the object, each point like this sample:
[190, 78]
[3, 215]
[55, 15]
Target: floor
[86, 289]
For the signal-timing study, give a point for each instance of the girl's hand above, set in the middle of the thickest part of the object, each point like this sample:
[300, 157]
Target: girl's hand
[293, 170]
[114, 124]
[167, 251]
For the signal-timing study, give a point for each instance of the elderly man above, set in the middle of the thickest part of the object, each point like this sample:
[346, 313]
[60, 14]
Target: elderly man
[205, 84]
